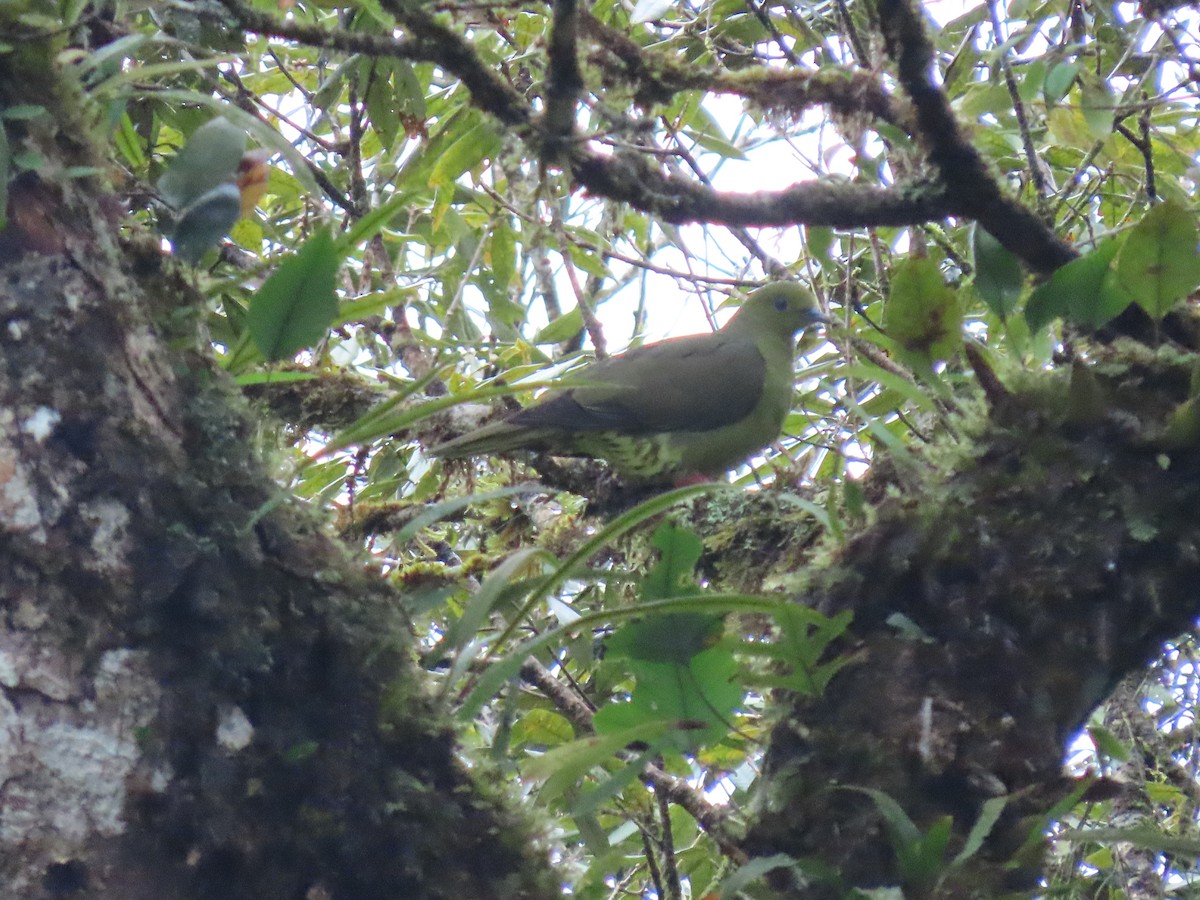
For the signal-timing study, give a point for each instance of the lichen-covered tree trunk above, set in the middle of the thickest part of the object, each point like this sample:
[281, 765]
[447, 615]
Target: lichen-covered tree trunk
[201, 695]
[1011, 577]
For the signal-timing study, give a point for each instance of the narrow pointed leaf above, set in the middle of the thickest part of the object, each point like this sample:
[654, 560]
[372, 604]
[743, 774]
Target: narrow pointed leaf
[295, 306]
[998, 275]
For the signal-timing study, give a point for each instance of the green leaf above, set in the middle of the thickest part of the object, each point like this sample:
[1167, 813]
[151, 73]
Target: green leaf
[623, 523]
[295, 306]
[542, 727]
[928, 858]
[477, 144]
[501, 671]
[588, 260]
[1183, 427]
[23, 112]
[561, 329]
[681, 676]
[302, 751]
[392, 415]
[451, 505]
[1097, 106]
[109, 56]
[998, 275]
[1148, 837]
[819, 241]
[502, 252]
[1108, 744]
[716, 144]
[706, 131]
[805, 634]
[409, 96]
[115, 83]
[129, 142]
[903, 831]
[329, 91]
[673, 637]
[380, 99]
[272, 378]
[753, 871]
[566, 764]
[920, 856]
[1159, 264]
[989, 815]
[674, 575]
[1032, 80]
[696, 699]
[373, 222]
[922, 313]
[1083, 290]
[459, 634]
[1058, 81]
[592, 799]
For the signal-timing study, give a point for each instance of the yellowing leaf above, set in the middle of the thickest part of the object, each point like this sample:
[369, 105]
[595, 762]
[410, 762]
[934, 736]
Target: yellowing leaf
[922, 313]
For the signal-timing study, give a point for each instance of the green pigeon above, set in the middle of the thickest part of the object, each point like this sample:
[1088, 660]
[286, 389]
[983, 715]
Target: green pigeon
[680, 410]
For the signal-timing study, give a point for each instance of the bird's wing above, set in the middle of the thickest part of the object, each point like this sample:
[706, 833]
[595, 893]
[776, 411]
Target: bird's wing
[695, 383]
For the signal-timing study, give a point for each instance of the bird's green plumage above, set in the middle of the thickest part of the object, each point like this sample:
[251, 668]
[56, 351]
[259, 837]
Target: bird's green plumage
[680, 408]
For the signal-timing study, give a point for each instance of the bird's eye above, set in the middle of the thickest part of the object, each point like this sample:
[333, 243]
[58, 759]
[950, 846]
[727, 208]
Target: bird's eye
[781, 304]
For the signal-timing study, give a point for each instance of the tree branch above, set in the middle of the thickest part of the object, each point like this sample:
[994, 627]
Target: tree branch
[428, 41]
[972, 190]
[628, 177]
[563, 80]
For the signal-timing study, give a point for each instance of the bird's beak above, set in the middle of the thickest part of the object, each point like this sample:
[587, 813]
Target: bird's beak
[816, 317]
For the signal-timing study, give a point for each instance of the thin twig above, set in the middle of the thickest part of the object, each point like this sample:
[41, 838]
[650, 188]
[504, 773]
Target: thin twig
[670, 869]
[971, 186]
[1036, 174]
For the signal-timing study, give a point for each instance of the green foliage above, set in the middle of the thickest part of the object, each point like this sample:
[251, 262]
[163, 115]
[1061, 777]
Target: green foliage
[922, 855]
[998, 274]
[801, 649]
[1156, 264]
[411, 237]
[680, 676]
[922, 313]
[294, 307]
[1160, 260]
[1086, 290]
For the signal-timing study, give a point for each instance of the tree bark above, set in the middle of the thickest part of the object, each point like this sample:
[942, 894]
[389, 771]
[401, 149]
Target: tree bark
[201, 693]
[1010, 579]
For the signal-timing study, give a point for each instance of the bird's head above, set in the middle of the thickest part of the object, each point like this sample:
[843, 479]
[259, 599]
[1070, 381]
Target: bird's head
[782, 307]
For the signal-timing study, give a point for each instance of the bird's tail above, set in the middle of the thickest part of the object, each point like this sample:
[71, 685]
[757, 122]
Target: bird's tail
[499, 437]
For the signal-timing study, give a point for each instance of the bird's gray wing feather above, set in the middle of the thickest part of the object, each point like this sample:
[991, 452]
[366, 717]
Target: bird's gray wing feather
[695, 383]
